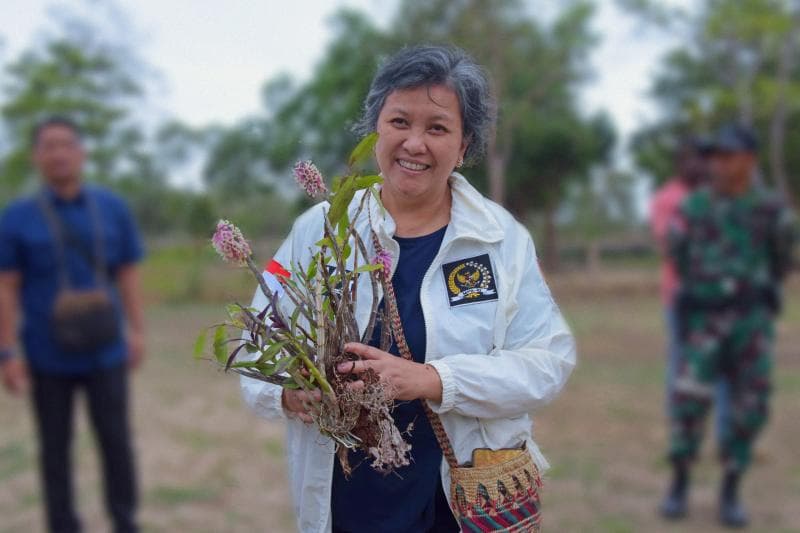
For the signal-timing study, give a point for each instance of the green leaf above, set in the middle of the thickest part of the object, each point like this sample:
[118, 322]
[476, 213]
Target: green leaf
[271, 351]
[245, 364]
[312, 267]
[266, 369]
[363, 150]
[200, 344]
[336, 183]
[219, 345]
[342, 229]
[251, 348]
[290, 384]
[377, 196]
[324, 242]
[284, 363]
[341, 200]
[233, 310]
[368, 268]
[363, 182]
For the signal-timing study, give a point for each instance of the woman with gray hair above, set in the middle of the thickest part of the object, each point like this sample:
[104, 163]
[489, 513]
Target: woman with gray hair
[487, 343]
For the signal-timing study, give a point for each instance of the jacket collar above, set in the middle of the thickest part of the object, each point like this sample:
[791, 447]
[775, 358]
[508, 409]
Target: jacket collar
[471, 216]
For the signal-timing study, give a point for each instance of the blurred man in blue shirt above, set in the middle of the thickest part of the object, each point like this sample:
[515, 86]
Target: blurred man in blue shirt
[81, 237]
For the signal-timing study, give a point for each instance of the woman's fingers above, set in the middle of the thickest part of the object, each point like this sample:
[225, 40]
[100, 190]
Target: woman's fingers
[356, 385]
[366, 352]
[299, 404]
[352, 367]
[369, 357]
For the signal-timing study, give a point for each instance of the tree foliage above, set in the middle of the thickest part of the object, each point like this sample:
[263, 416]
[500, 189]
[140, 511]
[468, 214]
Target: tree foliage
[85, 83]
[735, 60]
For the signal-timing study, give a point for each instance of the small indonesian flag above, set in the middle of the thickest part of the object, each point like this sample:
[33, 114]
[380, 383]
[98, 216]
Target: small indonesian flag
[274, 274]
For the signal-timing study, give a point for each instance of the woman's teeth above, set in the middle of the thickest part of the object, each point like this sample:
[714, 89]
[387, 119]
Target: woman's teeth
[411, 166]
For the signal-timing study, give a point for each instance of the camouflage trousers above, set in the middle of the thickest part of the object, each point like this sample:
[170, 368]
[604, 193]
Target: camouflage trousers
[736, 344]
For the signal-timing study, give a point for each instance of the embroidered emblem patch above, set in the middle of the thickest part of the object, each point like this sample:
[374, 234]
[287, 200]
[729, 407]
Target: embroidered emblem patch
[470, 280]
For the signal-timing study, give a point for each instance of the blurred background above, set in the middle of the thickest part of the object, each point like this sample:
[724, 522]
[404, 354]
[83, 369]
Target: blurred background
[196, 110]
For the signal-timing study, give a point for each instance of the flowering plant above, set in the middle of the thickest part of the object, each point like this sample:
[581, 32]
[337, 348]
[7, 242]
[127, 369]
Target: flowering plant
[297, 340]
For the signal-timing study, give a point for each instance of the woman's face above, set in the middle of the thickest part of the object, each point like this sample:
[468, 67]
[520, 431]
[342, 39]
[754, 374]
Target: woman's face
[420, 141]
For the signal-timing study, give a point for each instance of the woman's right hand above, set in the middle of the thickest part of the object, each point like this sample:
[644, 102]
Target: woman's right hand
[297, 403]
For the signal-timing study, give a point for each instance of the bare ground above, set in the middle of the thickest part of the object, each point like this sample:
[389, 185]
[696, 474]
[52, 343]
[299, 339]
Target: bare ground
[207, 464]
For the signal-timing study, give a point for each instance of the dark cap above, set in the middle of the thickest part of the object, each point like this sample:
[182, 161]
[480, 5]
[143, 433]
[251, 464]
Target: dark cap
[733, 138]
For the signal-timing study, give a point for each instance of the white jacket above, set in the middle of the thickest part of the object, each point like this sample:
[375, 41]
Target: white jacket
[500, 356]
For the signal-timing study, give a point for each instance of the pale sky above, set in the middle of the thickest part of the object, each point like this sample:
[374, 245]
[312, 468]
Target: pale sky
[214, 56]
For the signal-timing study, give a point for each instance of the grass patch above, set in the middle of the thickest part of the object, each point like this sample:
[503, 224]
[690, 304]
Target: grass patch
[787, 381]
[29, 500]
[584, 469]
[274, 448]
[169, 495]
[197, 440]
[14, 460]
[615, 524]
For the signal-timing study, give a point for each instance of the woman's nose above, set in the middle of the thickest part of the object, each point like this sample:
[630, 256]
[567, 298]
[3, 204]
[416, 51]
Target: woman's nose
[415, 142]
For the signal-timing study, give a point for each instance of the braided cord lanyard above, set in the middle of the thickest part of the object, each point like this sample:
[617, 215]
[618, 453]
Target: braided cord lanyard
[390, 303]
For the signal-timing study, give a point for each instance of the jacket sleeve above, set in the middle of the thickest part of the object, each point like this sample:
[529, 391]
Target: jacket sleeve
[527, 372]
[265, 398]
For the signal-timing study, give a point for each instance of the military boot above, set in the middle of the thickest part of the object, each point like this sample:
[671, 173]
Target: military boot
[731, 512]
[674, 506]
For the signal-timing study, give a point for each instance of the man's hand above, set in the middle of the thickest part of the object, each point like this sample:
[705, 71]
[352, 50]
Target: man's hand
[14, 375]
[130, 289]
[407, 380]
[136, 350]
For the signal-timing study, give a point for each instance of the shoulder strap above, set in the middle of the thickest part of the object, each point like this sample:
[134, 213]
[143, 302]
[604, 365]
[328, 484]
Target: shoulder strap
[390, 303]
[65, 236]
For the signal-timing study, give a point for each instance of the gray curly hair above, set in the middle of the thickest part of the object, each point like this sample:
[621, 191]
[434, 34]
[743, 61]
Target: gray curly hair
[425, 66]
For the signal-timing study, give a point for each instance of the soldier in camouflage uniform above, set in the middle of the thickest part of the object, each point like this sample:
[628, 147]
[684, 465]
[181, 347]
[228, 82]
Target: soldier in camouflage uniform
[732, 245]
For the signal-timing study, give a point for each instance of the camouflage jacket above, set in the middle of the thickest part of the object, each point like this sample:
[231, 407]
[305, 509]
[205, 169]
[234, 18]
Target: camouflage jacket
[729, 249]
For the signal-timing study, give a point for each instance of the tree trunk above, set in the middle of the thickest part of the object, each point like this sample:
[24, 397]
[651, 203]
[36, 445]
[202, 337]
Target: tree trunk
[593, 256]
[497, 172]
[777, 127]
[550, 259]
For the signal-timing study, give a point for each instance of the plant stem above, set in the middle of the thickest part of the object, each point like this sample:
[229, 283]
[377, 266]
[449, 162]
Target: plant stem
[314, 371]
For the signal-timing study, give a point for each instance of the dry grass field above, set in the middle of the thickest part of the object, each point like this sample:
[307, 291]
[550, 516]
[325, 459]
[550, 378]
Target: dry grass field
[208, 465]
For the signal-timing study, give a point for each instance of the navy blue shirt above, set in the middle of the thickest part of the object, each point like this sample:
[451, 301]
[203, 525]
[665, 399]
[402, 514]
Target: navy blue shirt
[27, 247]
[411, 498]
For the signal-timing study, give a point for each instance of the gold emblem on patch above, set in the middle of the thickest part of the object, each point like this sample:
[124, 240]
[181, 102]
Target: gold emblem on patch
[470, 280]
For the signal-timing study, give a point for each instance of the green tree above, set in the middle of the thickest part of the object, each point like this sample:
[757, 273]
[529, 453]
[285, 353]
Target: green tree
[89, 85]
[536, 68]
[311, 120]
[736, 60]
[542, 143]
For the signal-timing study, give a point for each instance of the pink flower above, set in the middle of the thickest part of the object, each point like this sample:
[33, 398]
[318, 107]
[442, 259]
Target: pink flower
[384, 259]
[309, 178]
[230, 244]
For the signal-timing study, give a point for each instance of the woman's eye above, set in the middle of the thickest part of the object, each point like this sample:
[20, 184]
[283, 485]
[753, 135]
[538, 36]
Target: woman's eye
[438, 128]
[399, 121]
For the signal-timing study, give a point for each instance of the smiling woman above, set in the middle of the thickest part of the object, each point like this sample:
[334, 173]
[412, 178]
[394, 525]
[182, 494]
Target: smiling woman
[477, 341]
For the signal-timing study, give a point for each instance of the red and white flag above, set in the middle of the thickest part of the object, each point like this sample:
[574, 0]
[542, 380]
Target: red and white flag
[274, 274]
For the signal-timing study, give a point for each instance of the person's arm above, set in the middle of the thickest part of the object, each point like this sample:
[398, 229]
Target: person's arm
[129, 283]
[527, 372]
[785, 243]
[267, 400]
[12, 367]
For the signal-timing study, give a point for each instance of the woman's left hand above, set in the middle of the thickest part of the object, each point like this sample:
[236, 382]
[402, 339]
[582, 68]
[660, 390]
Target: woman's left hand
[407, 380]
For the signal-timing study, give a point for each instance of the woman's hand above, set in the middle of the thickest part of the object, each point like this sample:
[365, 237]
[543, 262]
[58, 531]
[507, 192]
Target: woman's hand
[407, 380]
[297, 403]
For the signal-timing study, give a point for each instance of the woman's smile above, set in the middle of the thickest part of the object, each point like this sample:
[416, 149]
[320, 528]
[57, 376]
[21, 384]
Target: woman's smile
[412, 166]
